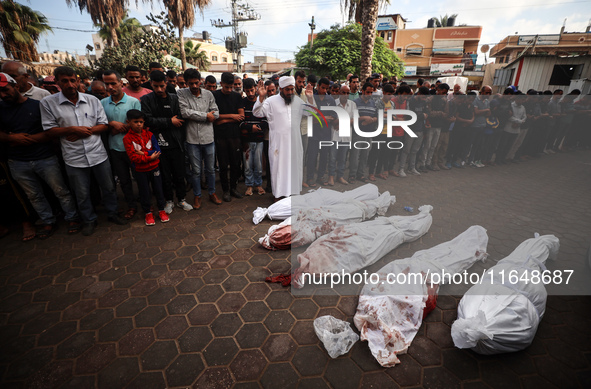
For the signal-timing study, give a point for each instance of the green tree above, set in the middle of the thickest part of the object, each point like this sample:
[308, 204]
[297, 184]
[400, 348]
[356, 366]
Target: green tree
[338, 51]
[20, 30]
[104, 13]
[442, 21]
[81, 70]
[127, 26]
[194, 56]
[182, 15]
[141, 47]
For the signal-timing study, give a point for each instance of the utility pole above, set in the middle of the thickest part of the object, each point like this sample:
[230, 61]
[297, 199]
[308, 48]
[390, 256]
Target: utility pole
[240, 13]
[312, 27]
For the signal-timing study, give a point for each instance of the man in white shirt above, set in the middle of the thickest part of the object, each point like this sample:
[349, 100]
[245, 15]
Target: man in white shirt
[18, 71]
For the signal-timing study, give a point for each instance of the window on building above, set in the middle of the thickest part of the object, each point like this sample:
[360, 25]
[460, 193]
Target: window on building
[399, 49]
[214, 58]
[97, 46]
[414, 50]
[224, 59]
[563, 74]
[383, 35]
[389, 35]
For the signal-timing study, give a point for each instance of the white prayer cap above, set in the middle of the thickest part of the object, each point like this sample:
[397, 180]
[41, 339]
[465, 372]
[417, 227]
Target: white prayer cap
[286, 81]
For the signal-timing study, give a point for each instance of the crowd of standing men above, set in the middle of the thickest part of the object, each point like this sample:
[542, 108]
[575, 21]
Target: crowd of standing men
[170, 133]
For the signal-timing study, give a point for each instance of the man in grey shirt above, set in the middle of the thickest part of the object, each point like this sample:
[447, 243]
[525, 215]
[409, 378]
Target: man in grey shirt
[78, 119]
[199, 109]
[18, 71]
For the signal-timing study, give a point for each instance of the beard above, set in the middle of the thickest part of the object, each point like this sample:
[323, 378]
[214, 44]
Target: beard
[287, 99]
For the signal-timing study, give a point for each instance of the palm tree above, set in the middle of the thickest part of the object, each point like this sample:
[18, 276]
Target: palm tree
[182, 15]
[20, 30]
[366, 13]
[126, 27]
[442, 21]
[104, 12]
[194, 56]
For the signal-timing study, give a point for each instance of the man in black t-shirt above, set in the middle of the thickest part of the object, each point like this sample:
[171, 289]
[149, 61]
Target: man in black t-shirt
[227, 135]
[31, 158]
[163, 117]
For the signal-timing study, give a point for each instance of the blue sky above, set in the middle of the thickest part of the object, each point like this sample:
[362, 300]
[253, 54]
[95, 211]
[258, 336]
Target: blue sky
[284, 27]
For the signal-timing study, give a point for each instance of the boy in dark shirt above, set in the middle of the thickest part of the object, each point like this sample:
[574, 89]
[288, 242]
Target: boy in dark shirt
[163, 118]
[227, 135]
[253, 135]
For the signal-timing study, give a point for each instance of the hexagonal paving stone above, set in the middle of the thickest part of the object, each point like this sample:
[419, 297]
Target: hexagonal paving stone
[181, 305]
[303, 332]
[195, 339]
[220, 262]
[226, 324]
[231, 302]
[407, 373]
[215, 276]
[258, 274]
[234, 283]
[280, 376]
[52, 375]
[131, 307]
[184, 370]
[254, 311]
[498, 376]
[75, 345]
[461, 363]
[343, 373]
[248, 365]
[118, 373]
[209, 293]
[259, 260]
[310, 360]
[136, 342]
[252, 335]
[171, 327]
[113, 298]
[326, 298]
[424, 351]
[151, 380]
[115, 329]
[57, 333]
[203, 314]
[256, 291]
[220, 351]
[189, 285]
[279, 299]
[96, 319]
[159, 355]
[162, 296]
[150, 316]
[143, 288]
[279, 348]
[361, 355]
[95, 359]
[303, 309]
[215, 377]
[279, 321]
[238, 268]
[127, 281]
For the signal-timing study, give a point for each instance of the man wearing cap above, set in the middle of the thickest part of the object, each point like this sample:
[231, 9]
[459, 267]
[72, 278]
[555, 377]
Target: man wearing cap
[19, 73]
[31, 158]
[78, 119]
[285, 142]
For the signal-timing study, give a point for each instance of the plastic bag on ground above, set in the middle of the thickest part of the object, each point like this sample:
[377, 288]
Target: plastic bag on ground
[495, 318]
[336, 335]
[278, 237]
[284, 208]
[389, 314]
[352, 247]
[312, 223]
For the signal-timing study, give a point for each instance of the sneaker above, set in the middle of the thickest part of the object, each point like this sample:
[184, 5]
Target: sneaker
[163, 216]
[401, 173]
[168, 207]
[479, 164]
[414, 172]
[150, 219]
[184, 205]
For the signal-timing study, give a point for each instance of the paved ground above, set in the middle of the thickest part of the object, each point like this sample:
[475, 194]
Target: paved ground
[184, 304]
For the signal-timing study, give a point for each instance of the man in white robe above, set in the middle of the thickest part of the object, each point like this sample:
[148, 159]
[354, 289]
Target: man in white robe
[285, 143]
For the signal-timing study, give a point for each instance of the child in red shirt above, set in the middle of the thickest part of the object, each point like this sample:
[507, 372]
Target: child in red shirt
[143, 151]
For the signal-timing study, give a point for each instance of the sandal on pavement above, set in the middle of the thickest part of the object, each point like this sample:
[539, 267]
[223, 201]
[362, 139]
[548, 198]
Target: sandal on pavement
[46, 231]
[260, 190]
[130, 213]
[29, 232]
[74, 227]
